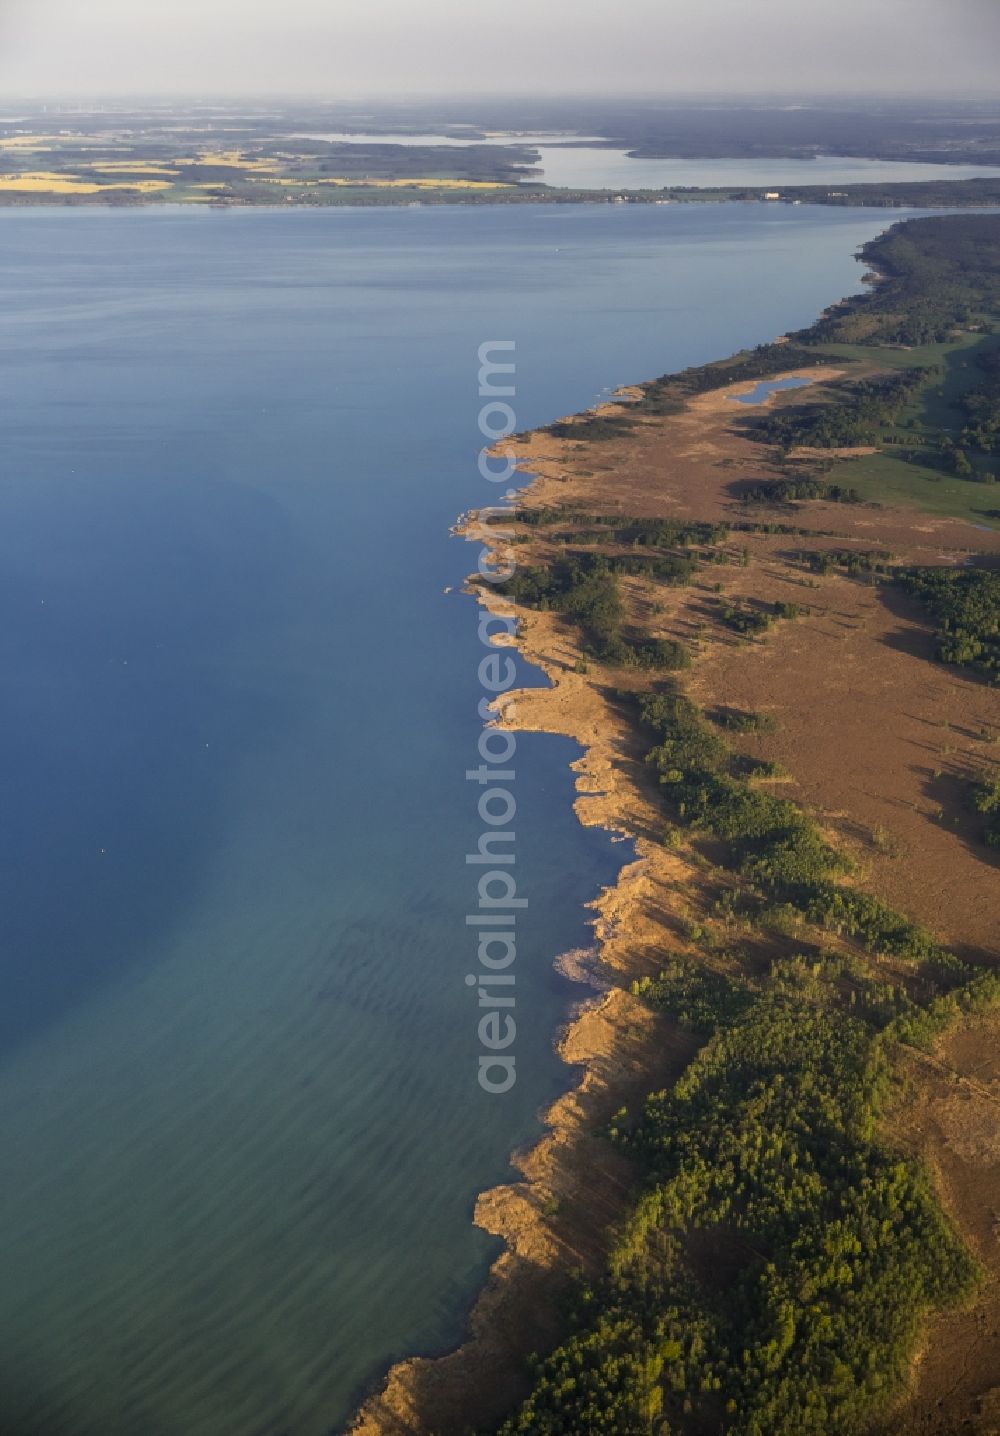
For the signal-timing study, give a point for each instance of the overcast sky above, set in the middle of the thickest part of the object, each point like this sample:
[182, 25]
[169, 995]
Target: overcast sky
[344, 47]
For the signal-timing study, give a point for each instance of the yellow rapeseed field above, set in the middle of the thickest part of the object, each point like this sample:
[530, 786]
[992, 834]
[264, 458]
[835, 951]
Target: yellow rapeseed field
[135, 167]
[30, 142]
[305, 182]
[231, 159]
[43, 183]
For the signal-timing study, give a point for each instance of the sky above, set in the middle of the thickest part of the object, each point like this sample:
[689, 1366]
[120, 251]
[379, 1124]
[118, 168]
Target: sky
[335, 48]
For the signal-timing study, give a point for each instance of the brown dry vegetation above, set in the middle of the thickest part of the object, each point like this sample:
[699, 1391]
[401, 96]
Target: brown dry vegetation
[874, 737]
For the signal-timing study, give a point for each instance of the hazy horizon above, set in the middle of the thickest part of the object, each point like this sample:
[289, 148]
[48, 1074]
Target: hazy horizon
[393, 49]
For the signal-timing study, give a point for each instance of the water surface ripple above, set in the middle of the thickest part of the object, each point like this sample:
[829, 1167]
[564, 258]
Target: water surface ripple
[238, 1108]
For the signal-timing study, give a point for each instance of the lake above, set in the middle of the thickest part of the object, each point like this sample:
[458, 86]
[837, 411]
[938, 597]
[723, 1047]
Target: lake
[574, 164]
[590, 167]
[239, 1112]
[766, 388]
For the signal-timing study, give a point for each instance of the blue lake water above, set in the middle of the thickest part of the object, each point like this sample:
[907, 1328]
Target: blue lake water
[761, 391]
[592, 167]
[238, 1109]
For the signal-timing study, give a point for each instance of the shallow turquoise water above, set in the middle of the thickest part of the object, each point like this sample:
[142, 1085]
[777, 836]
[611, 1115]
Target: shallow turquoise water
[238, 1108]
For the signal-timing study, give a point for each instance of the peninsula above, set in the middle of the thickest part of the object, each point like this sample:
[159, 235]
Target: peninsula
[769, 1206]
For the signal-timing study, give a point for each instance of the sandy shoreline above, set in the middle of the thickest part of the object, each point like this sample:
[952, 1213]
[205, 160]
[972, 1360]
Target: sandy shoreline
[547, 1219]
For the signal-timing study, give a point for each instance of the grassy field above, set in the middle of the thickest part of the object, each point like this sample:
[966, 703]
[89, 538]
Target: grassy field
[886, 478]
[881, 478]
[921, 356]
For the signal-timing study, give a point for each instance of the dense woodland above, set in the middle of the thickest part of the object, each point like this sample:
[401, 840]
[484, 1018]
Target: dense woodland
[965, 606]
[936, 277]
[981, 406]
[771, 1277]
[855, 412]
[779, 1258]
[986, 802]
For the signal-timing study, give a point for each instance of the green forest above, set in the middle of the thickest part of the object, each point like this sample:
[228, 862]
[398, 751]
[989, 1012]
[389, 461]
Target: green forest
[856, 412]
[965, 606]
[937, 275]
